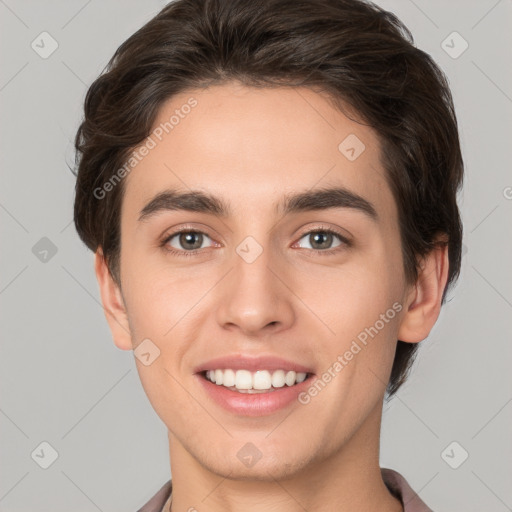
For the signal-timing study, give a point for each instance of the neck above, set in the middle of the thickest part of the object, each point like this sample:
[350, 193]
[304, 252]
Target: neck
[348, 479]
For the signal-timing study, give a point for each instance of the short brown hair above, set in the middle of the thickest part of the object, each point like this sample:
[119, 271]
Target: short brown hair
[358, 53]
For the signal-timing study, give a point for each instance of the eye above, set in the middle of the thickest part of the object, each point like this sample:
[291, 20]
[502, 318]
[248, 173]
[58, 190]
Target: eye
[188, 242]
[185, 241]
[322, 240]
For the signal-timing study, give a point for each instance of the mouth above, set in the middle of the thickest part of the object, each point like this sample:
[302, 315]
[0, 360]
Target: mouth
[260, 381]
[257, 393]
[249, 385]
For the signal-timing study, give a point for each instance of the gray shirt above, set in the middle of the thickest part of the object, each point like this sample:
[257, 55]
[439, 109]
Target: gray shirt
[394, 481]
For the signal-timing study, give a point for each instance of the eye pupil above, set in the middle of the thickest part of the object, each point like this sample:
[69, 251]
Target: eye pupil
[188, 237]
[319, 238]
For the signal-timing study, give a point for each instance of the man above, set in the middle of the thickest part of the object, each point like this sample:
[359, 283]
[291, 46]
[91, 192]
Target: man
[269, 188]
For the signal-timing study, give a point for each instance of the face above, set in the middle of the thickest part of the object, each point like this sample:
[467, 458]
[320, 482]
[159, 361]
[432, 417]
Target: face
[312, 286]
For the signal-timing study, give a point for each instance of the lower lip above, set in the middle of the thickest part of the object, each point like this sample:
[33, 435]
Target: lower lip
[254, 404]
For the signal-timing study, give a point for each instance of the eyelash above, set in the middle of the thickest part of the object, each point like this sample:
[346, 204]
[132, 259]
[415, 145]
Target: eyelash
[318, 252]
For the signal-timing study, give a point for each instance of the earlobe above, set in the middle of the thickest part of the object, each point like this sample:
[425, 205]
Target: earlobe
[113, 303]
[424, 302]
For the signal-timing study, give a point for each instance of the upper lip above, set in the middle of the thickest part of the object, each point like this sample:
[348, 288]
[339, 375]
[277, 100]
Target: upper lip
[241, 362]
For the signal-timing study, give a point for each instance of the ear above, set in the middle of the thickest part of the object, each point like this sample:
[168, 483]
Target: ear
[113, 303]
[424, 302]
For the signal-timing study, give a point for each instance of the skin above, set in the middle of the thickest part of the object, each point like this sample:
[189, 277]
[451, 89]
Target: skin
[250, 146]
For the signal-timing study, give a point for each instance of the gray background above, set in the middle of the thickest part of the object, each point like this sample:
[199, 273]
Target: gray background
[62, 379]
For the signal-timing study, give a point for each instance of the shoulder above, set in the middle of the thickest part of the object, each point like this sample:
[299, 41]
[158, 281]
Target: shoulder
[401, 489]
[157, 502]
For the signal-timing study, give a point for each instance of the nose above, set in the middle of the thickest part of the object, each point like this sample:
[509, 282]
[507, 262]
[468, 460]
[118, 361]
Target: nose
[255, 298]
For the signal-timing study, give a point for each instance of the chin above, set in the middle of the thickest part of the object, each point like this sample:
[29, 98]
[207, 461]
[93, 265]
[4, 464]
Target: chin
[246, 462]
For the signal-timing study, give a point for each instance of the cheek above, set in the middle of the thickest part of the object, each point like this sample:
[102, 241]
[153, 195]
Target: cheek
[156, 303]
[164, 303]
[347, 299]
[361, 304]
[354, 296]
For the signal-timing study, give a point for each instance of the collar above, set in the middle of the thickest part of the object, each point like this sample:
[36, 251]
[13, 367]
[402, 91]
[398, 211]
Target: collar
[395, 482]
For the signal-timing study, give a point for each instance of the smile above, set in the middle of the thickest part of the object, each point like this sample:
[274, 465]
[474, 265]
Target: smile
[278, 390]
[260, 381]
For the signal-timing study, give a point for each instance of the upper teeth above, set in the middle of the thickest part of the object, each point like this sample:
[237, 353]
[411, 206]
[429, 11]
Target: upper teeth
[261, 379]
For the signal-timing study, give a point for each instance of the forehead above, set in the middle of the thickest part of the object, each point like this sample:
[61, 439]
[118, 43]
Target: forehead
[253, 145]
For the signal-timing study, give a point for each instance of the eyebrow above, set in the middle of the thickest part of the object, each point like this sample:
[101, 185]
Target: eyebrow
[204, 202]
